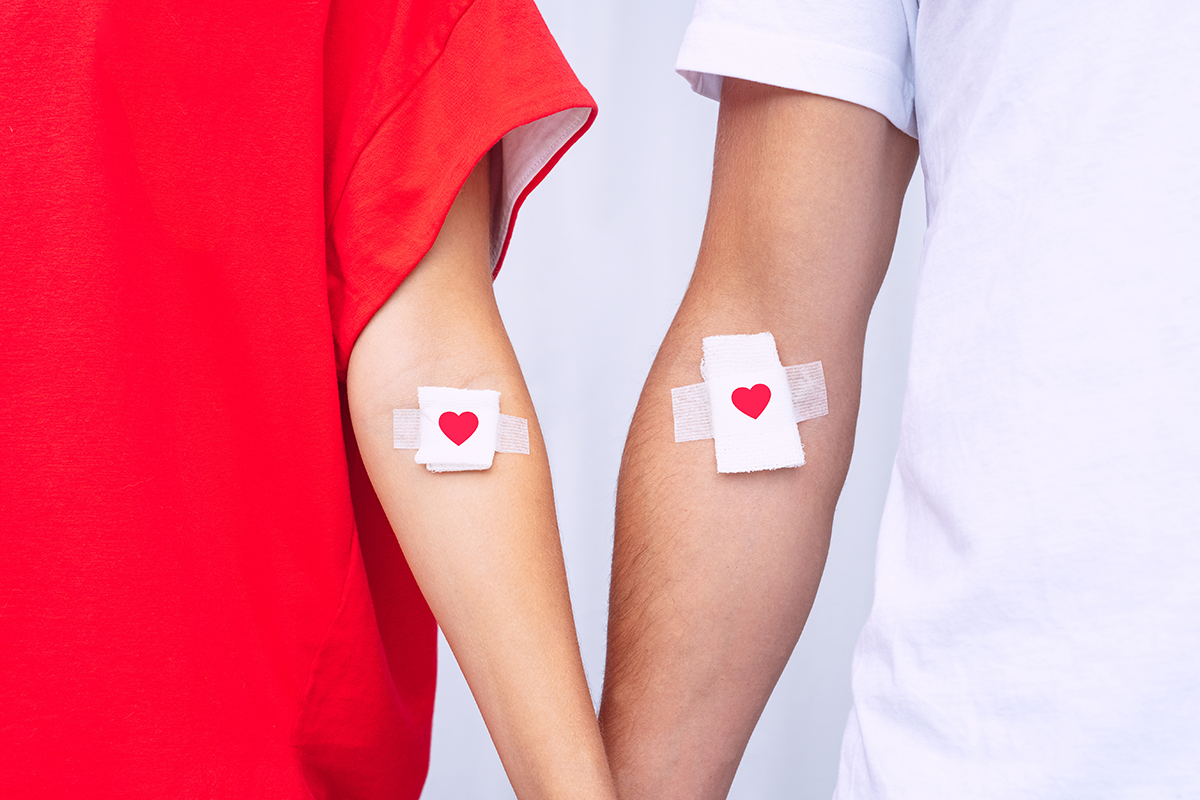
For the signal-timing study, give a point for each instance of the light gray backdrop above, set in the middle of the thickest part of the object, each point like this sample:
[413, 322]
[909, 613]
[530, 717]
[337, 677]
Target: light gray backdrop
[597, 266]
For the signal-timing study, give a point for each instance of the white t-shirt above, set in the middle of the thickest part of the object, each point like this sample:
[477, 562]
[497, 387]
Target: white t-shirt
[1036, 624]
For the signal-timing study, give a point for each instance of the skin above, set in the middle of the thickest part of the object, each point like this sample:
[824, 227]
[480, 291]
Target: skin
[483, 545]
[714, 575]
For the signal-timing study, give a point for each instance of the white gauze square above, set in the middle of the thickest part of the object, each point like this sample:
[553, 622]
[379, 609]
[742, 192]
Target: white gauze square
[753, 418]
[459, 428]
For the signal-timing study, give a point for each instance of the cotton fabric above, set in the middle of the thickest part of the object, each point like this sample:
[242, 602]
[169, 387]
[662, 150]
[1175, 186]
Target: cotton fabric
[204, 205]
[1036, 621]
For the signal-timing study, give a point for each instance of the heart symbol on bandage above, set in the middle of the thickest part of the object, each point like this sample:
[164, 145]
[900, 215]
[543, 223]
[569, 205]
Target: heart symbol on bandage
[752, 401]
[458, 427]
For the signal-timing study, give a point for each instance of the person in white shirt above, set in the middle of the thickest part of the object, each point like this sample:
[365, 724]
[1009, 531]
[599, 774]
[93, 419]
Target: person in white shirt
[1036, 624]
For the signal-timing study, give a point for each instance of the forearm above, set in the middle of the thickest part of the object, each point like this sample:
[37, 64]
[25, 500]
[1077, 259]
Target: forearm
[483, 545]
[714, 574]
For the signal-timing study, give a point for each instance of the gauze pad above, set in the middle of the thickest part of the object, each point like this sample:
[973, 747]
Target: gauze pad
[749, 404]
[455, 430]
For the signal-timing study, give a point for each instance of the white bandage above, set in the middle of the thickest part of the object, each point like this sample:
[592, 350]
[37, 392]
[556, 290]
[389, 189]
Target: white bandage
[749, 404]
[457, 429]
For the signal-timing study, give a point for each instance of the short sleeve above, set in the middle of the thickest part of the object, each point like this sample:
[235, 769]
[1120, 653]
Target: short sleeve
[855, 50]
[438, 87]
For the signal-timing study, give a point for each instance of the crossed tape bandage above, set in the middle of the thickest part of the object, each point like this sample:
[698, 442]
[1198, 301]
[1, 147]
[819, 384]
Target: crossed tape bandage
[455, 430]
[749, 404]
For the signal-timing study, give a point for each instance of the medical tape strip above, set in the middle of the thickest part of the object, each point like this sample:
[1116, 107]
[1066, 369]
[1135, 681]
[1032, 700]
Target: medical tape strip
[753, 436]
[693, 420]
[455, 430]
[807, 382]
[406, 432]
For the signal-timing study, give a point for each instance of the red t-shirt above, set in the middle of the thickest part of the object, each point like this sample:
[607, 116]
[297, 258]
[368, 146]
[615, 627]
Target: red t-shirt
[203, 204]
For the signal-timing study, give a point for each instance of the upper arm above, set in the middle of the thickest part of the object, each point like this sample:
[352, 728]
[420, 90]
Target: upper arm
[805, 202]
[806, 197]
[441, 326]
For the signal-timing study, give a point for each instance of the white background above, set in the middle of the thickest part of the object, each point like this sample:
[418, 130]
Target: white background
[598, 263]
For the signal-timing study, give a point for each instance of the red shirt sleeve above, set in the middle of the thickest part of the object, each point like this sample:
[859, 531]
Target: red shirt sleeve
[439, 88]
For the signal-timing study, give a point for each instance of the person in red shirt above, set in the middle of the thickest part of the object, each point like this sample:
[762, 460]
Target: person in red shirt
[235, 238]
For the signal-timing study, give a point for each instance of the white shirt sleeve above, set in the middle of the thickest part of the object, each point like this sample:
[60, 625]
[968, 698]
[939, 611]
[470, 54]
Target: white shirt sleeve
[855, 50]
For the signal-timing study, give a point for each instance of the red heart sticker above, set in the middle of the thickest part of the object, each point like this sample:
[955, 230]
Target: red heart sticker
[458, 427]
[752, 401]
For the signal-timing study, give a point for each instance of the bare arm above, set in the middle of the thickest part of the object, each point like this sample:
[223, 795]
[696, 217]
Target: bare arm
[483, 545]
[714, 575]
